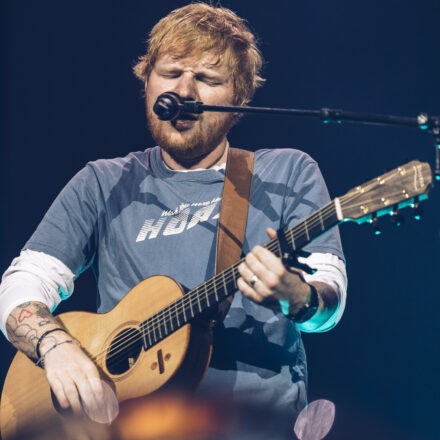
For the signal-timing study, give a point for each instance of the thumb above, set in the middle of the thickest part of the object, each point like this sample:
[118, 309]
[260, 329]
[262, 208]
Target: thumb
[271, 233]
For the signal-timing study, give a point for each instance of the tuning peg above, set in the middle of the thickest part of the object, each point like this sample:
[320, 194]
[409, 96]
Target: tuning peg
[376, 227]
[396, 218]
[418, 210]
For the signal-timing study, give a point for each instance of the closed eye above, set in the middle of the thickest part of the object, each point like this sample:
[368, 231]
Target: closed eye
[209, 80]
[170, 74]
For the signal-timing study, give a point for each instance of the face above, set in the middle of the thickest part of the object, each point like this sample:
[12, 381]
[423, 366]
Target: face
[191, 136]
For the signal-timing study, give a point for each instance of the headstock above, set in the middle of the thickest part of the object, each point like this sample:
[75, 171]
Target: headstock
[404, 186]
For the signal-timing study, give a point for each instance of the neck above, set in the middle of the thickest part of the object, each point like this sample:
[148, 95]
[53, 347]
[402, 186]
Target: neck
[215, 157]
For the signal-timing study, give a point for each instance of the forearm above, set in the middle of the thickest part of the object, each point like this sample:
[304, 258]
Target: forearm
[27, 322]
[72, 375]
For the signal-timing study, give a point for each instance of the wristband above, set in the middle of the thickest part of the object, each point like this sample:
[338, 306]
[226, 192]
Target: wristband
[40, 361]
[37, 349]
[306, 311]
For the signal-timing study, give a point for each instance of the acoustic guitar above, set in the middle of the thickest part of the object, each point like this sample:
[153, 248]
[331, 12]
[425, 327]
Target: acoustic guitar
[154, 338]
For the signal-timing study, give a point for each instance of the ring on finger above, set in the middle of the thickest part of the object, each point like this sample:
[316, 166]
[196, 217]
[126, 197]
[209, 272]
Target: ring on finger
[253, 280]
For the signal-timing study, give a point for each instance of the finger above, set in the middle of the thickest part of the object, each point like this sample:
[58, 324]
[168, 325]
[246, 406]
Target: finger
[109, 409]
[96, 387]
[257, 285]
[268, 260]
[248, 291]
[89, 401]
[269, 276]
[71, 393]
[91, 374]
[245, 272]
[271, 233]
[58, 390]
[101, 412]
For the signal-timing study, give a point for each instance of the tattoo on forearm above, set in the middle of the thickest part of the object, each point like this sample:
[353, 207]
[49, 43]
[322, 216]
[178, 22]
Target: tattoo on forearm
[26, 323]
[24, 305]
[23, 337]
[43, 311]
[25, 313]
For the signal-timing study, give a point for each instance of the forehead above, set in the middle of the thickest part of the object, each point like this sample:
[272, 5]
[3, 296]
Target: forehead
[205, 61]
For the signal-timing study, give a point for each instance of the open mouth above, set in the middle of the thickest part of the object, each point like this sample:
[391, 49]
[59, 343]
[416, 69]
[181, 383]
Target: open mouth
[185, 121]
[187, 117]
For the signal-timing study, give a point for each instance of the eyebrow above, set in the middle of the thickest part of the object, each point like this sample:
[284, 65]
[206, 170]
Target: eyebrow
[205, 70]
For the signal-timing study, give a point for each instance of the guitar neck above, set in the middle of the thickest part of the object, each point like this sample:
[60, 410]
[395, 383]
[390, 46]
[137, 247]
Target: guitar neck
[216, 289]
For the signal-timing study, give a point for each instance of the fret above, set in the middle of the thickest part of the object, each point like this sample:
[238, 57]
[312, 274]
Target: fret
[184, 313]
[215, 290]
[235, 276]
[292, 241]
[144, 336]
[159, 326]
[224, 282]
[321, 220]
[170, 320]
[176, 304]
[149, 338]
[279, 247]
[207, 295]
[307, 230]
[198, 301]
[154, 334]
[191, 308]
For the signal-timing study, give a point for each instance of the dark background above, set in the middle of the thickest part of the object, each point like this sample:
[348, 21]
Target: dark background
[68, 96]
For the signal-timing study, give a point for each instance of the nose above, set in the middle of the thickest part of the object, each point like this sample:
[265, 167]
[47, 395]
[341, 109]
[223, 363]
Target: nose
[186, 86]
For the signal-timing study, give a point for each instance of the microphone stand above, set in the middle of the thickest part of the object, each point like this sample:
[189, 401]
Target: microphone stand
[170, 105]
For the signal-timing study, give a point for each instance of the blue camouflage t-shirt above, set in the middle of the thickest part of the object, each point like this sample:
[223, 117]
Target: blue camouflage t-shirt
[130, 218]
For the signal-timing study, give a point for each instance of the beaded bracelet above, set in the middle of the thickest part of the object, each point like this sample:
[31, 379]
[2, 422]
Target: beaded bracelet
[41, 360]
[37, 349]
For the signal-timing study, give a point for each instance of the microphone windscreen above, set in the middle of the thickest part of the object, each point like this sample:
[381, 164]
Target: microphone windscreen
[167, 106]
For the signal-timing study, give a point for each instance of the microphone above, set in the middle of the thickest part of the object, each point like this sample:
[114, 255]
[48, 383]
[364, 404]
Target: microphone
[170, 105]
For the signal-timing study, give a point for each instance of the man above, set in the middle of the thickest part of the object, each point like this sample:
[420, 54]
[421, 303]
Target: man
[156, 211]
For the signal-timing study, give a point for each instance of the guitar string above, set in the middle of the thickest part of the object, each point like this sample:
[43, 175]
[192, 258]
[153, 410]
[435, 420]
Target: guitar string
[192, 298]
[346, 198]
[343, 198]
[162, 317]
[171, 314]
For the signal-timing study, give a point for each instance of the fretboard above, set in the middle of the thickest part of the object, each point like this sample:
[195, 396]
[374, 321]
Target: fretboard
[216, 289]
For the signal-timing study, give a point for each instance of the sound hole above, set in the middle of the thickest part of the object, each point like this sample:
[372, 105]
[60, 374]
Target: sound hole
[124, 351]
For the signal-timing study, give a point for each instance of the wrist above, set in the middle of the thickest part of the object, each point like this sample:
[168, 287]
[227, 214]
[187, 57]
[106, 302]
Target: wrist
[40, 362]
[302, 313]
[49, 338]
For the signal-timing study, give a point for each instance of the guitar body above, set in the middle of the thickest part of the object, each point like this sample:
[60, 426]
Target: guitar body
[179, 360]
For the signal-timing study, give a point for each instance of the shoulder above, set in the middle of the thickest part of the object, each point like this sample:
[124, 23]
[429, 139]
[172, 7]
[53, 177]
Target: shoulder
[104, 174]
[286, 161]
[116, 166]
[284, 156]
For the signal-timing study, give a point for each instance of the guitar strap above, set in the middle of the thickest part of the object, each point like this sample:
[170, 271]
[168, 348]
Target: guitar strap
[233, 215]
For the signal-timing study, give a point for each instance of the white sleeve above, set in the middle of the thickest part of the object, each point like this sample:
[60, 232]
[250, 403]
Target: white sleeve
[34, 276]
[330, 269]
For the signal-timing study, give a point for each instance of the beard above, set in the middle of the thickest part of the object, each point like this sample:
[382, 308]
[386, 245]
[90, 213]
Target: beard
[193, 144]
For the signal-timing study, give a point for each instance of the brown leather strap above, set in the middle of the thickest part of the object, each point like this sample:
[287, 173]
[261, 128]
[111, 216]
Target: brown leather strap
[233, 213]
